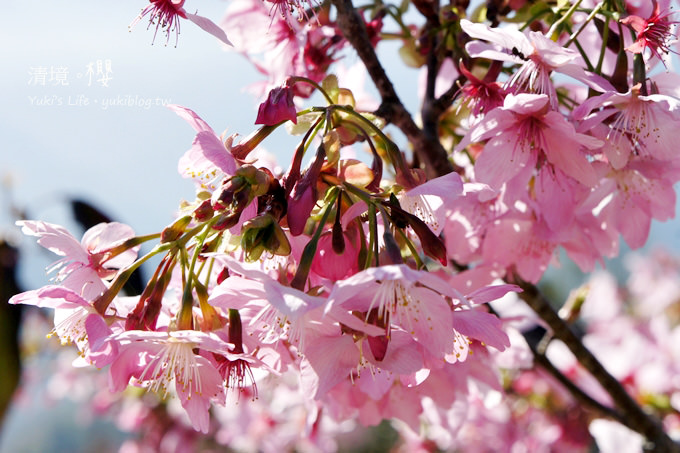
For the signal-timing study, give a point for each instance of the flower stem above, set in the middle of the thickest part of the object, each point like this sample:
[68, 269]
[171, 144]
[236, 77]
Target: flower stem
[310, 249]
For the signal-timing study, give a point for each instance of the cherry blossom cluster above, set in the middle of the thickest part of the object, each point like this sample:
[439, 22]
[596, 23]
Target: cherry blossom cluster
[526, 409]
[558, 164]
[368, 277]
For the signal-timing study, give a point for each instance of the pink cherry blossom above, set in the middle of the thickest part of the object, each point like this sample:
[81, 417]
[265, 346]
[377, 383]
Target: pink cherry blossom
[639, 126]
[255, 31]
[75, 321]
[286, 48]
[630, 198]
[537, 54]
[393, 293]
[482, 96]
[521, 132]
[166, 15]
[654, 32]
[278, 311]
[413, 301]
[209, 159]
[156, 359]
[84, 264]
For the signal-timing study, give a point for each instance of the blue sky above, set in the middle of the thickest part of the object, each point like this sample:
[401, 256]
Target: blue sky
[68, 131]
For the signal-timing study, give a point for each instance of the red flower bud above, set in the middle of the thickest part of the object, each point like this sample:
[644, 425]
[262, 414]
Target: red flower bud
[278, 107]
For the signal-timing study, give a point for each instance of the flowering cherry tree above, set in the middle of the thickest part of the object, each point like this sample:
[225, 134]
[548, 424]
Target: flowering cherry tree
[380, 279]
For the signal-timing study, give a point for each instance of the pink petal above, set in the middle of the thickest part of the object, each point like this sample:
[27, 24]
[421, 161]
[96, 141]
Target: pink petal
[191, 117]
[505, 149]
[209, 26]
[327, 362]
[430, 322]
[448, 186]
[102, 349]
[594, 81]
[526, 103]
[404, 355]
[196, 396]
[130, 362]
[505, 37]
[213, 149]
[345, 318]
[51, 296]
[491, 293]
[353, 212]
[55, 238]
[481, 326]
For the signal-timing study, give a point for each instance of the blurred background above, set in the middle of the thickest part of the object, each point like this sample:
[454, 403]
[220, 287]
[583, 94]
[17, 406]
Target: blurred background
[83, 124]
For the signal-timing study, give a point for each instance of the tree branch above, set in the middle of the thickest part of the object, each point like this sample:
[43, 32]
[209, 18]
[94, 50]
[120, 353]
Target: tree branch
[575, 390]
[428, 114]
[429, 150]
[632, 415]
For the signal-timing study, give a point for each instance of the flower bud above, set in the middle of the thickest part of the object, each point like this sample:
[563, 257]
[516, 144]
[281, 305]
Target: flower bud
[226, 221]
[237, 193]
[174, 231]
[299, 209]
[204, 211]
[278, 107]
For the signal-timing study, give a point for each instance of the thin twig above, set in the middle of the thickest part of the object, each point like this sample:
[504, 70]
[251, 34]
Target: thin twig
[632, 414]
[575, 390]
[430, 151]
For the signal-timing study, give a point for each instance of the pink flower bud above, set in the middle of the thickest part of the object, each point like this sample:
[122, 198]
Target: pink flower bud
[299, 208]
[278, 107]
[330, 264]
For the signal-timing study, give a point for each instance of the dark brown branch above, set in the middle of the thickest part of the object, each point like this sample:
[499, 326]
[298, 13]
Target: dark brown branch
[581, 396]
[429, 115]
[632, 415]
[429, 150]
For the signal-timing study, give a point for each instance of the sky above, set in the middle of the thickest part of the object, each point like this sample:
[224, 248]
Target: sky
[82, 114]
[99, 126]
[83, 109]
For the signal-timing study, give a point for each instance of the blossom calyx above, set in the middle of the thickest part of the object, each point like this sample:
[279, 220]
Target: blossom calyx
[263, 233]
[174, 231]
[204, 211]
[238, 192]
